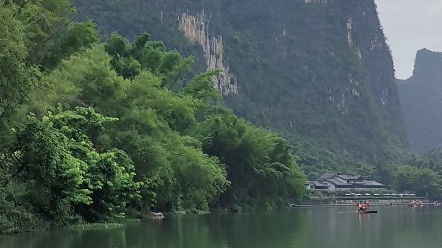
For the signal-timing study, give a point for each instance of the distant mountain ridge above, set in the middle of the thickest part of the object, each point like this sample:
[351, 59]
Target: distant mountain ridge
[421, 101]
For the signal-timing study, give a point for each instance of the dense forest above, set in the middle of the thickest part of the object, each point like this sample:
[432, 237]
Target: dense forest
[92, 131]
[96, 125]
[421, 101]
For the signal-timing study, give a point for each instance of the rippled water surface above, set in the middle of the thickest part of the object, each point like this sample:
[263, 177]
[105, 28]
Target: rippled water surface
[318, 227]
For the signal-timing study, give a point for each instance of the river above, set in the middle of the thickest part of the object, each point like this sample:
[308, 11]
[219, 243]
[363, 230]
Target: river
[316, 227]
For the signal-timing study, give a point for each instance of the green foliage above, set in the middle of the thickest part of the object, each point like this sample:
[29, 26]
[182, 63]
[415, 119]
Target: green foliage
[63, 172]
[417, 173]
[16, 79]
[260, 165]
[129, 59]
[91, 131]
[422, 175]
[76, 37]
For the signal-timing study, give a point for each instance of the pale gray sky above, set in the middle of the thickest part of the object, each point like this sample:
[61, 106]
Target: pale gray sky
[410, 25]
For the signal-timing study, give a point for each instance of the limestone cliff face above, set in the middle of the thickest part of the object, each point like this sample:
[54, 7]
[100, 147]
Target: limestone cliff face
[195, 28]
[372, 46]
[316, 69]
[369, 45]
[421, 100]
[366, 36]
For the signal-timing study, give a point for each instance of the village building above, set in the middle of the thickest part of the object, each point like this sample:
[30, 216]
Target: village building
[337, 181]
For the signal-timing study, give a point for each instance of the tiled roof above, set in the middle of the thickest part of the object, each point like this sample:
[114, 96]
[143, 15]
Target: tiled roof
[327, 175]
[330, 178]
[349, 177]
[317, 183]
[337, 182]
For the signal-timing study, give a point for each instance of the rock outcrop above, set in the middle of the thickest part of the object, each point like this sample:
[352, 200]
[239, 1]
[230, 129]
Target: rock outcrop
[196, 29]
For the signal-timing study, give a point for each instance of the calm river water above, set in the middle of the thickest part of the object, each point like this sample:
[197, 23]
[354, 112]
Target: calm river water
[318, 227]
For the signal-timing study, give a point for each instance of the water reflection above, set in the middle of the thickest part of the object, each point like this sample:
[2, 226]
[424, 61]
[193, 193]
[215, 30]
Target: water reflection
[256, 229]
[319, 227]
[362, 218]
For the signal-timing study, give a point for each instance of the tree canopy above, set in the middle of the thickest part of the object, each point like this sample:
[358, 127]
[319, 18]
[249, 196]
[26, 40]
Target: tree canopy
[92, 131]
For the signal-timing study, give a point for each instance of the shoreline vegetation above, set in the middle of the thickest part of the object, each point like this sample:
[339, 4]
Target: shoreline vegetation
[94, 131]
[117, 223]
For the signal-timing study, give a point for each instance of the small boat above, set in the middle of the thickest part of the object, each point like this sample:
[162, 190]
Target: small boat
[369, 212]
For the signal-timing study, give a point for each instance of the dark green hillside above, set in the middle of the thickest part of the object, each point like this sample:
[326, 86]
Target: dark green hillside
[315, 71]
[421, 101]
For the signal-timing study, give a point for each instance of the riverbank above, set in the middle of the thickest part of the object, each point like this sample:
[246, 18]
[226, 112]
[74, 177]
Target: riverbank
[112, 223]
[325, 204]
[346, 205]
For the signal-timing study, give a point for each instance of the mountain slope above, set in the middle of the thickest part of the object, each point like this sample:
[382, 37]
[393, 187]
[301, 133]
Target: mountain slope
[421, 100]
[317, 71]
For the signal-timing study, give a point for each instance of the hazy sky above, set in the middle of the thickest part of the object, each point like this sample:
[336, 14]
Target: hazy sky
[410, 25]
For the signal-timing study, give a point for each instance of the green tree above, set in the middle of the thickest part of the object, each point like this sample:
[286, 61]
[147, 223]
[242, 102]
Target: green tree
[260, 165]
